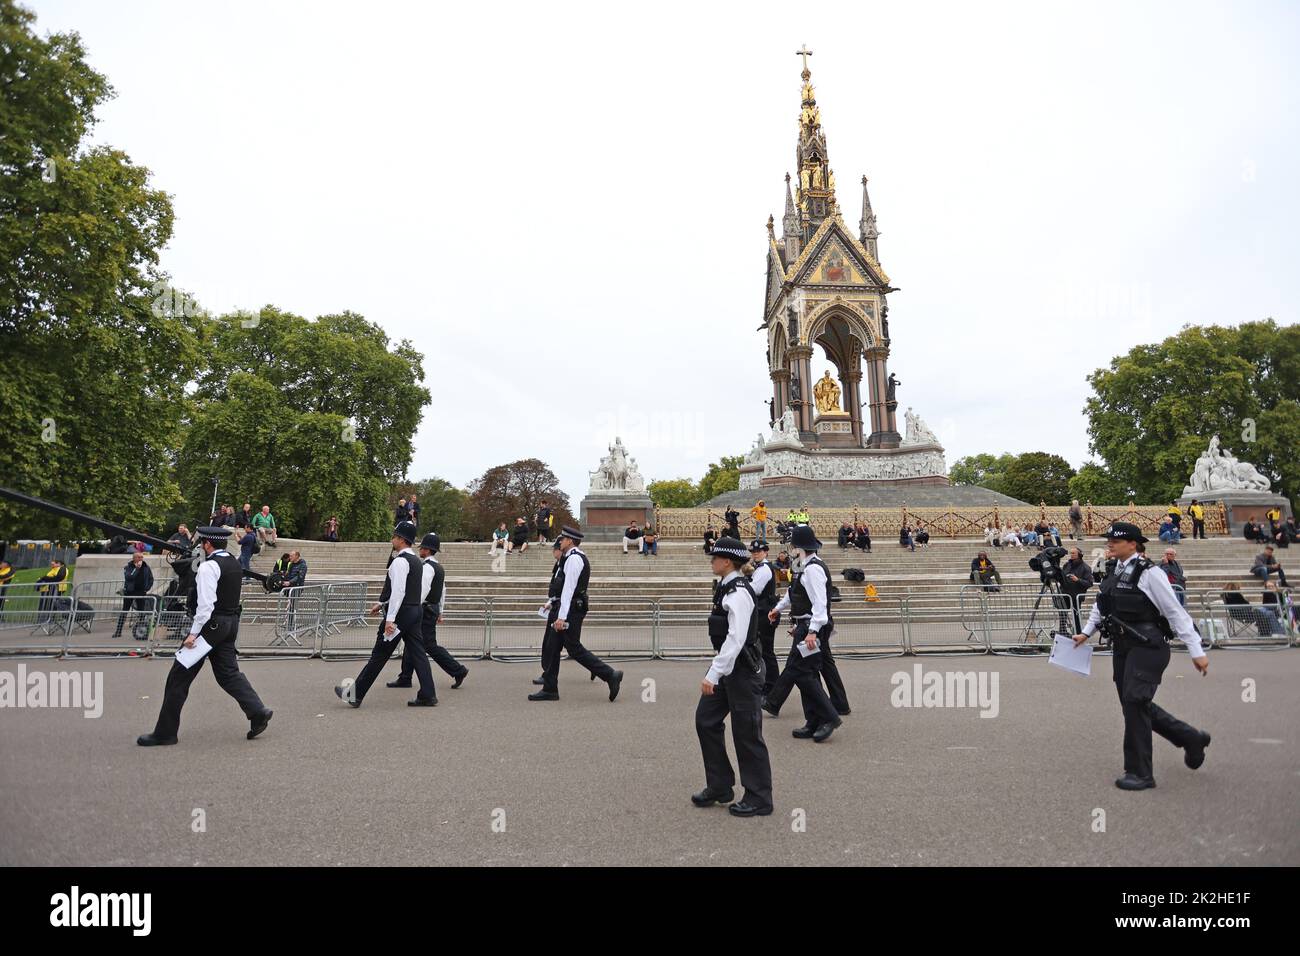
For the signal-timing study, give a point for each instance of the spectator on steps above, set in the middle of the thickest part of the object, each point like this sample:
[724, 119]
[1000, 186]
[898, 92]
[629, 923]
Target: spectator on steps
[731, 520]
[905, 537]
[246, 545]
[413, 509]
[992, 535]
[245, 517]
[1276, 601]
[649, 542]
[922, 537]
[759, 514]
[500, 539]
[1076, 520]
[1252, 531]
[518, 537]
[1265, 564]
[844, 536]
[182, 536]
[984, 573]
[264, 523]
[862, 537]
[543, 521]
[632, 536]
[710, 536]
[1292, 532]
[332, 528]
[1174, 571]
[1010, 536]
[1197, 512]
[783, 567]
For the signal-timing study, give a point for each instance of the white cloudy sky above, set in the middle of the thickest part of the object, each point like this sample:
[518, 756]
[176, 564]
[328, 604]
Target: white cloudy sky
[563, 205]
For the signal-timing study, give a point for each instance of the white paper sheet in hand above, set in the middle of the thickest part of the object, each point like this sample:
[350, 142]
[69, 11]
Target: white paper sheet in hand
[392, 637]
[187, 657]
[803, 648]
[544, 611]
[1066, 655]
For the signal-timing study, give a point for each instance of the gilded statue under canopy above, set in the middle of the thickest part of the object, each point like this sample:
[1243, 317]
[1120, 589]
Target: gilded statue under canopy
[827, 395]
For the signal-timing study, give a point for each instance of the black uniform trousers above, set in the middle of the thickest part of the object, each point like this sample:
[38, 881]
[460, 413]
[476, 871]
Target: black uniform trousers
[767, 640]
[437, 653]
[1198, 528]
[408, 623]
[1138, 669]
[806, 674]
[221, 632]
[569, 639]
[736, 695]
[827, 670]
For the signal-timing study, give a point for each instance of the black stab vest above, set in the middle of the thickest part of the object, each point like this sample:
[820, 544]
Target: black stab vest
[1120, 597]
[414, 581]
[435, 589]
[718, 625]
[578, 603]
[765, 599]
[800, 602]
[229, 585]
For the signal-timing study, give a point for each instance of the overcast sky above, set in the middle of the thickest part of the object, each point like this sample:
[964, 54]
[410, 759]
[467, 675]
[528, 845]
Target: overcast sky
[563, 205]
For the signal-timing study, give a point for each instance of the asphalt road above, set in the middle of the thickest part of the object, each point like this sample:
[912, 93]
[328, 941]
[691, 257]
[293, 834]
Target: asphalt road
[489, 778]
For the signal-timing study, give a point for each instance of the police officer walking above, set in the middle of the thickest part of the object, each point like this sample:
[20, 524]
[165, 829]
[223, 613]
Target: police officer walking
[763, 582]
[434, 598]
[567, 604]
[807, 599]
[731, 688]
[402, 603]
[213, 605]
[1137, 609]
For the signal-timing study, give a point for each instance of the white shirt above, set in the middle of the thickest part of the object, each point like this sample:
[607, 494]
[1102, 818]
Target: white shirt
[740, 608]
[571, 575]
[426, 583]
[813, 578]
[762, 574]
[1155, 585]
[397, 572]
[206, 580]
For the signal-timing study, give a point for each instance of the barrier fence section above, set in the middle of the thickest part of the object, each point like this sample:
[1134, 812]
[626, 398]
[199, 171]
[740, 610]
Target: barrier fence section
[333, 620]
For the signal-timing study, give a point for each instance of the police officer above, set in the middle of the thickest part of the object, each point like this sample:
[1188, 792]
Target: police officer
[567, 604]
[763, 582]
[434, 599]
[807, 599]
[1137, 608]
[732, 687]
[557, 553]
[402, 602]
[213, 604]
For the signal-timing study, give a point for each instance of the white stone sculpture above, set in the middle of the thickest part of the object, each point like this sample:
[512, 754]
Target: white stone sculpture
[755, 455]
[785, 463]
[786, 431]
[617, 474]
[1217, 470]
[918, 432]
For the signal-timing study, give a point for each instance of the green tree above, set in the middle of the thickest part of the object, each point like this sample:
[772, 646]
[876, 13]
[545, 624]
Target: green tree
[1093, 483]
[92, 378]
[297, 462]
[985, 470]
[507, 492]
[1154, 409]
[1037, 476]
[442, 505]
[722, 476]
[339, 364]
[674, 493]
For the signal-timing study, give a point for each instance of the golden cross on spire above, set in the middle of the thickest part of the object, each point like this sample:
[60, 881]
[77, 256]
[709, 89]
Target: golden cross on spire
[805, 53]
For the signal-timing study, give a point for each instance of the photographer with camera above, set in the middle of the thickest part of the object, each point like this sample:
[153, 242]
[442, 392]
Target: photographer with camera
[137, 582]
[1076, 579]
[1140, 614]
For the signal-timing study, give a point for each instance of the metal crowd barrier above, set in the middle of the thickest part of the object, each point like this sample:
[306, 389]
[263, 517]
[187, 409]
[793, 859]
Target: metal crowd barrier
[332, 620]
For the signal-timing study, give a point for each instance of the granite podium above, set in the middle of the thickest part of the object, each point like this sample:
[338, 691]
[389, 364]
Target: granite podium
[615, 497]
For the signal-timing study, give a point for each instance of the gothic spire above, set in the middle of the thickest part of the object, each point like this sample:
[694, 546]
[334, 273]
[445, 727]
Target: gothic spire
[815, 192]
[867, 224]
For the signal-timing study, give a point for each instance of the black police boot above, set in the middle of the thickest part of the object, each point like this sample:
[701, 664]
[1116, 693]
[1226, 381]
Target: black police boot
[615, 681]
[423, 702]
[461, 679]
[258, 723]
[707, 797]
[746, 809]
[539, 682]
[152, 740]
[1133, 782]
[825, 730]
[1194, 755]
[769, 709]
[803, 733]
[398, 683]
[544, 695]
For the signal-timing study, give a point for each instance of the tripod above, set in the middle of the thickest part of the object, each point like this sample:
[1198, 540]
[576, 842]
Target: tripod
[1060, 601]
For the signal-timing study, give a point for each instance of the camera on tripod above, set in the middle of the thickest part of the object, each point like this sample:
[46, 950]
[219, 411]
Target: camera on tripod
[1048, 564]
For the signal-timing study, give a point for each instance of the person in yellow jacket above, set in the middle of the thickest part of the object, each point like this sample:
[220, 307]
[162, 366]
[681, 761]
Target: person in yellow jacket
[759, 514]
[7, 573]
[56, 583]
[1197, 511]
